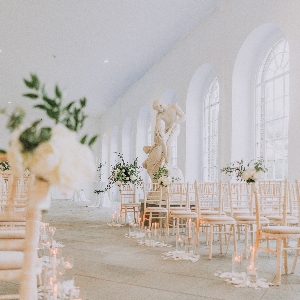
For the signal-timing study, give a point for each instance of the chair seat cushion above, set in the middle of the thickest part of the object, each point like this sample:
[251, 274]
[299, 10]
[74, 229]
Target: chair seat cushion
[280, 218]
[241, 212]
[131, 204]
[263, 220]
[183, 214]
[156, 209]
[12, 233]
[281, 230]
[218, 219]
[11, 260]
[211, 212]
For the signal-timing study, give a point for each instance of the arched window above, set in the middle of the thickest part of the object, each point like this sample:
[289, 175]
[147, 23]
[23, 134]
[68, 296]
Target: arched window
[210, 132]
[272, 110]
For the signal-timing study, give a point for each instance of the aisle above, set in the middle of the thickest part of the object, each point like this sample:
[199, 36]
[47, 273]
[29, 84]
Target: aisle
[110, 266]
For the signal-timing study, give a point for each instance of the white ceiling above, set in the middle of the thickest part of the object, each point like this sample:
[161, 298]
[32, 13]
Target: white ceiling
[72, 39]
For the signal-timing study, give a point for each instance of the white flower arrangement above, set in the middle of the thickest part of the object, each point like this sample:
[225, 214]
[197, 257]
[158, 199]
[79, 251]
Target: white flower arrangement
[123, 173]
[163, 178]
[53, 154]
[56, 160]
[245, 173]
[164, 181]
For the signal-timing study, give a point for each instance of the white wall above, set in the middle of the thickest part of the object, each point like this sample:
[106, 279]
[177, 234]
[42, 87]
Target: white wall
[217, 42]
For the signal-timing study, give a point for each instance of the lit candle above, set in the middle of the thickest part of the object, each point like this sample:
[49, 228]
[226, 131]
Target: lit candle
[251, 270]
[237, 259]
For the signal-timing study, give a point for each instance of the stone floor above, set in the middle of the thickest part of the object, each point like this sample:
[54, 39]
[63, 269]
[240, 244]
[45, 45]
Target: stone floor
[110, 266]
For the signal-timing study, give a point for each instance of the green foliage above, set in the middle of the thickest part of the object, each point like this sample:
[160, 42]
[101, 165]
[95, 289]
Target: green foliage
[243, 172]
[15, 119]
[123, 173]
[71, 115]
[31, 137]
[161, 172]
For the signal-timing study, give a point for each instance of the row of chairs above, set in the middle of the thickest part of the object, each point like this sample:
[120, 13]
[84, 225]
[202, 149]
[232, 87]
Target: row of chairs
[20, 212]
[268, 208]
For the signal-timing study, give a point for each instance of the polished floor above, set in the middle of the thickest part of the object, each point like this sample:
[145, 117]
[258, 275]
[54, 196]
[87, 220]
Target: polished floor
[110, 266]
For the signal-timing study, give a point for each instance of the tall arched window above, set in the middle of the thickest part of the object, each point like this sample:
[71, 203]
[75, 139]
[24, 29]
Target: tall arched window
[210, 132]
[272, 110]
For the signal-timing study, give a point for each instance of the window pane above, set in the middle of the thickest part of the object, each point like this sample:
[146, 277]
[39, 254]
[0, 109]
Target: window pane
[210, 126]
[272, 110]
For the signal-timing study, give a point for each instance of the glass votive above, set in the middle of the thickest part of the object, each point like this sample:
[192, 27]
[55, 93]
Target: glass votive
[251, 272]
[251, 265]
[180, 243]
[236, 265]
[148, 233]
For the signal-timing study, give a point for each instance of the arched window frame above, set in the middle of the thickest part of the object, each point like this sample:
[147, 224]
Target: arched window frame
[210, 131]
[267, 97]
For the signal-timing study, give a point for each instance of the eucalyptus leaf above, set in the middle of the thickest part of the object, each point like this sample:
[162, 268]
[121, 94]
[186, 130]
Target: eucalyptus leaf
[45, 134]
[69, 106]
[50, 101]
[83, 102]
[58, 92]
[52, 114]
[82, 141]
[29, 84]
[41, 106]
[35, 81]
[93, 140]
[34, 124]
[32, 96]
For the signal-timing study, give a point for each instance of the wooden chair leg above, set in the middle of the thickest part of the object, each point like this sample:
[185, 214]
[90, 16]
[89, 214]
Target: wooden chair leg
[246, 239]
[296, 257]
[278, 267]
[285, 257]
[210, 241]
[234, 237]
[220, 238]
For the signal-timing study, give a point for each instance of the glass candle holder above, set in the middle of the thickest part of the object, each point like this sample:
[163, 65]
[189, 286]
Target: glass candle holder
[251, 267]
[148, 234]
[180, 243]
[236, 265]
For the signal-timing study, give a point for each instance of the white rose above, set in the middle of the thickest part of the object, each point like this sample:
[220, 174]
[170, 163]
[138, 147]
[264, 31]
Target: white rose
[258, 175]
[133, 178]
[245, 175]
[118, 183]
[251, 172]
[127, 178]
[62, 160]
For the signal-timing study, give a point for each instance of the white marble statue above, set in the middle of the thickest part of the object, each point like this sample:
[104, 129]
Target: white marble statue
[172, 116]
[167, 128]
[157, 154]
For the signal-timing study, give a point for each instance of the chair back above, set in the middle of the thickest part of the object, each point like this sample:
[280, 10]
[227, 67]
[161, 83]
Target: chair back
[272, 199]
[153, 195]
[237, 197]
[207, 195]
[177, 196]
[127, 193]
